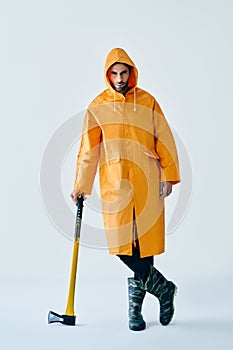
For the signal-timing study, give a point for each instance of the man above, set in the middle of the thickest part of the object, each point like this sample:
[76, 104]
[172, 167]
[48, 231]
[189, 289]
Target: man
[127, 135]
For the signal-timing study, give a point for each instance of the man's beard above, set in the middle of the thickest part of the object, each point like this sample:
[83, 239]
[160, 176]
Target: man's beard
[121, 88]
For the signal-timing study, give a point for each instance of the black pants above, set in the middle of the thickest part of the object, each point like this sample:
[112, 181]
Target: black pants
[140, 266]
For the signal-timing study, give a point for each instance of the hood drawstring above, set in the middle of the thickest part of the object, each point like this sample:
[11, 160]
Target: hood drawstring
[114, 103]
[134, 100]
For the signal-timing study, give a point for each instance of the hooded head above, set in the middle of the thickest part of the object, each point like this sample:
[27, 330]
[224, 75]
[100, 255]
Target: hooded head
[118, 55]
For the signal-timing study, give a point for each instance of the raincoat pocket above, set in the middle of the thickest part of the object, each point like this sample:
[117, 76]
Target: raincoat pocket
[113, 161]
[151, 155]
[154, 165]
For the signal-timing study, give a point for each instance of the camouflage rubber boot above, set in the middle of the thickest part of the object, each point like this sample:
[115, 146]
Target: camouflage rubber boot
[136, 296]
[164, 290]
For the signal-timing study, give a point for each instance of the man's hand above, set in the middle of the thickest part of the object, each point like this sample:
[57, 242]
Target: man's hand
[75, 194]
[165, 189]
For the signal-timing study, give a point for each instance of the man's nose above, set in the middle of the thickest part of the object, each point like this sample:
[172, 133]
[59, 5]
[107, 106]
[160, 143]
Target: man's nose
[119, 79]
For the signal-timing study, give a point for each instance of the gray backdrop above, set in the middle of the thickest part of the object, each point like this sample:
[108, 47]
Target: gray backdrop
[52, 58]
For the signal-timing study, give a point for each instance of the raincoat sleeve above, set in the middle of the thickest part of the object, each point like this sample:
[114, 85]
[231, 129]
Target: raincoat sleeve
[88, 155]
[165, 147]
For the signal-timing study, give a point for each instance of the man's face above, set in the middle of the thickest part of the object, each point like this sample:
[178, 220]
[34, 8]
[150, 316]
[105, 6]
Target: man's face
[119, 76]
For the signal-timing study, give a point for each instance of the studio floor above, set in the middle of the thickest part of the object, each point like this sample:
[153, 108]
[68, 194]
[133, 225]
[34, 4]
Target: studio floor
[203, 317]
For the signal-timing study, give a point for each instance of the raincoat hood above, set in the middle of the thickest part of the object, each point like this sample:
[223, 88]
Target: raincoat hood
[118, 55]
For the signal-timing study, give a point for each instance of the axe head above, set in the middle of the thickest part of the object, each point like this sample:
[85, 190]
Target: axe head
[64, 319]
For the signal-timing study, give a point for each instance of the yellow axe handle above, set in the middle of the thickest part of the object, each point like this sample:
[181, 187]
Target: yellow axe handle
[70, 300]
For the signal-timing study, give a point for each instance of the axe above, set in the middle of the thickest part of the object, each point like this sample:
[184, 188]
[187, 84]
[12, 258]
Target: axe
[69, 318]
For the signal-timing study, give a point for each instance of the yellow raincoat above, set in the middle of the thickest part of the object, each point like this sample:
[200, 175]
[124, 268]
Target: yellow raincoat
[129, 138]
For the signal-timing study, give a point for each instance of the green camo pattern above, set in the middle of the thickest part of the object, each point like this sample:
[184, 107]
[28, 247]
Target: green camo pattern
[164, 290]
[136, 296]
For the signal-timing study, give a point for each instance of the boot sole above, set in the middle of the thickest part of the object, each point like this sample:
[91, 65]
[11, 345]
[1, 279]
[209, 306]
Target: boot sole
[137, 328]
